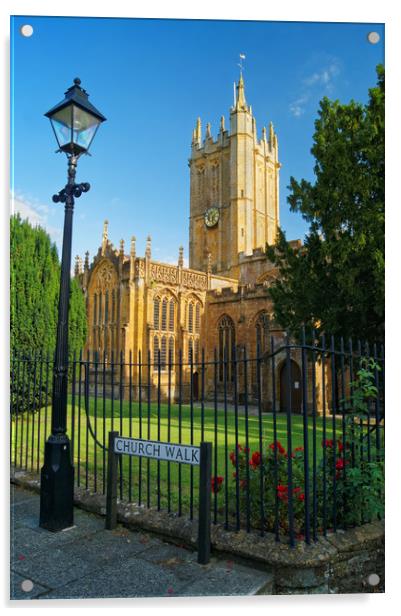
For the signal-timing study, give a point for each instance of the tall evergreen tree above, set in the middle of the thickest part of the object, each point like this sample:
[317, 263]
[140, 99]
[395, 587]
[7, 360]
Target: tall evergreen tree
[335, 281]
[35, 279]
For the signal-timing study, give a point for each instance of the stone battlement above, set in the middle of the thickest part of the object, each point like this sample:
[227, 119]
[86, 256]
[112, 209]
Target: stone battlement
[241, 291]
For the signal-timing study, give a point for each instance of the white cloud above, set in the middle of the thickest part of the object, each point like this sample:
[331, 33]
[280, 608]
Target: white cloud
[315, 85]
[297, 107]
[36, 213]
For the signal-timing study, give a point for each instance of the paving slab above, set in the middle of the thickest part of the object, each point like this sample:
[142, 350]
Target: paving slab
[134, 578]
[230, 579]
[87, 561]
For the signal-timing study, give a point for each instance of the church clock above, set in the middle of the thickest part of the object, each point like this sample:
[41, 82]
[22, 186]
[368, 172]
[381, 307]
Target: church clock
[212, 216]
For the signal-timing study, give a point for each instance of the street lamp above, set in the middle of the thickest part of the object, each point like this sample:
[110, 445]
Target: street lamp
[75, 122]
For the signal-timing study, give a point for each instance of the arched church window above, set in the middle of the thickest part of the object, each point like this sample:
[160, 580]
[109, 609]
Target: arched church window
[171, 350]
[155, 350]
[191, 318]
[95, 309]
[100, 319]
[164, 314]
[156, 312]
[171, 315]
[197, 318]
[113, 306]
[226, 337]
[163, 353]
[262, 332]
[106, 308]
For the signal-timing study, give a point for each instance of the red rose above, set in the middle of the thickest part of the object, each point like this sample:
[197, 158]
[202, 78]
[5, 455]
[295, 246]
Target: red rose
[255, 460]
[340, 464]
[328, 443]
[217, 484]
[277, 445]
[282, 493]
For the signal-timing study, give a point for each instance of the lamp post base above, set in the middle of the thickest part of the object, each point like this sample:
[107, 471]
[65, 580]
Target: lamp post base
[57, 485]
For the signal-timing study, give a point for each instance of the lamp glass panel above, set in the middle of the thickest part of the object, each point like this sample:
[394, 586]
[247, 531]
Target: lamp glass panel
[61, 122]
[84, 127]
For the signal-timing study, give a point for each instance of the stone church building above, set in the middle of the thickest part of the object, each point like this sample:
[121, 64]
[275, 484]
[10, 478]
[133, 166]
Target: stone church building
[219, 307]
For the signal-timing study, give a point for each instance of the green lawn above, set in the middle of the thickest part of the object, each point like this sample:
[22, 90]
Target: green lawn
[164, 425]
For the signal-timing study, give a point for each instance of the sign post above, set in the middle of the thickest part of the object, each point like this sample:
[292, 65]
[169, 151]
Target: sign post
[205, 487]
[170, 452]
[111, 494]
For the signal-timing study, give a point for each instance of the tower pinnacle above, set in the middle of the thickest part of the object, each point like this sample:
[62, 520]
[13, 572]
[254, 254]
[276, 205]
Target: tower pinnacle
[241, 102]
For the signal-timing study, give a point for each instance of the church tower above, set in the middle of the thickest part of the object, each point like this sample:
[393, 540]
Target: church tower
[234, 191]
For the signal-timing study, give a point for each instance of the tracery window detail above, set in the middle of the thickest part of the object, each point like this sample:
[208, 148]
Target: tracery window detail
[226, 337]
[164, 314]
[262, 333]
[164, 320]
[156, 312]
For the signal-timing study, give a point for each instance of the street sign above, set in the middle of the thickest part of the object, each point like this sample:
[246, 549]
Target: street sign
[184, 454]
[169, 452]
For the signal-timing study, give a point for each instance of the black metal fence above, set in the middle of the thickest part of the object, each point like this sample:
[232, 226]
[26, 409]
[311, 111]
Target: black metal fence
[297, 432]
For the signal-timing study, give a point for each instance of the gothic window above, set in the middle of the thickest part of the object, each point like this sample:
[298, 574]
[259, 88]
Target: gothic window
[262, 333]
[156, 313]
[197, 318]
[163, 321]
[155, 350]
[171, 350]
[197, 351]
[163, 353]
[164, 314]
[94, 309]
[171, 315]
[113, 306]
[106, 308]
[190, 350]
[191, 318]
[226, 337]
[100, 309]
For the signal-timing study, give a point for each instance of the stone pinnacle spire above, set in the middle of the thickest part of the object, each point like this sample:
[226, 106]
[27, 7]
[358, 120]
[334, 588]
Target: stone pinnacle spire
[198, 132]
[181, 256]
[148, 250]
[105, 235]
[241, 102]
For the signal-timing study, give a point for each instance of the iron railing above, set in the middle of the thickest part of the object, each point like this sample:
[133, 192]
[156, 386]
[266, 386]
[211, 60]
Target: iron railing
[287, 429]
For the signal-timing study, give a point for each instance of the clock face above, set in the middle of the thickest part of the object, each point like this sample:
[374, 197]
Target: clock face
[212, 216]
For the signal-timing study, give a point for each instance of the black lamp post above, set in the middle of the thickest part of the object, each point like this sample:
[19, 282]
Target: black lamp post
[75, 122]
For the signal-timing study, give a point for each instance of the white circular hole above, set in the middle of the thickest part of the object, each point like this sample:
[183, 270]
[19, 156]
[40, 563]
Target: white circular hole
[26, 30]
[373, 37]
[373, 579]
[27, 585]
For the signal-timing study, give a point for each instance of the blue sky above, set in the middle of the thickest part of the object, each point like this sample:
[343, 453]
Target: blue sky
[151, 79]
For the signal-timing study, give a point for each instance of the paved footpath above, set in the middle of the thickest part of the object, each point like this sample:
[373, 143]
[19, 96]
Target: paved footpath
[88, 561]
